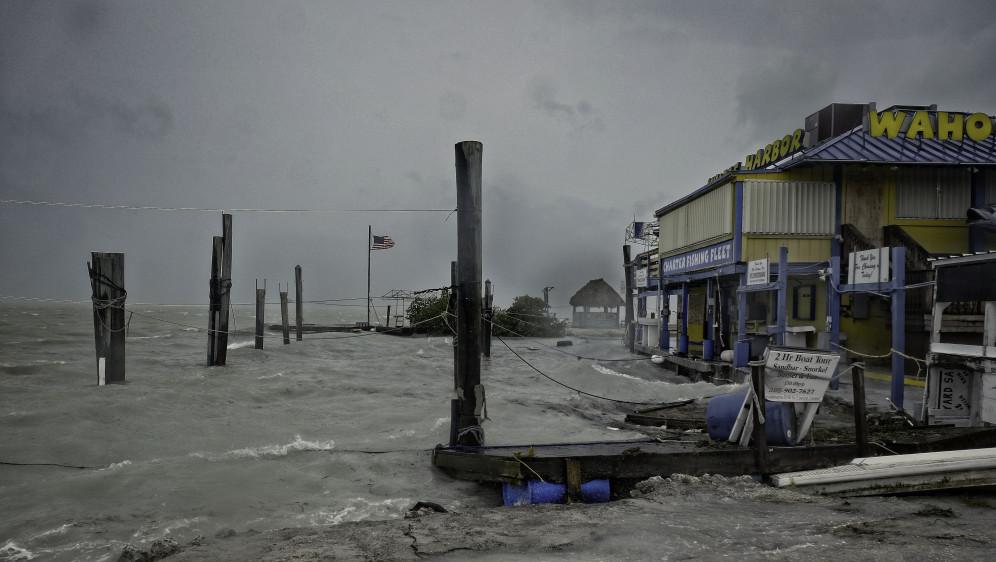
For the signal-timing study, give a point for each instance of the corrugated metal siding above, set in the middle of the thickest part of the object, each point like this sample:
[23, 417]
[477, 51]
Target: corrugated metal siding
[933, 193]
[709, 216]
[800, 249]
[788, 207]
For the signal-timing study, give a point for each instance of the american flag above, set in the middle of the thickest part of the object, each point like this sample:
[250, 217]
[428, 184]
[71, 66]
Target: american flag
[381, 243]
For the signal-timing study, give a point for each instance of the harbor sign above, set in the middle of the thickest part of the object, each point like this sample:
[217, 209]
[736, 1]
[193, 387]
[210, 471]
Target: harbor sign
[798, 376]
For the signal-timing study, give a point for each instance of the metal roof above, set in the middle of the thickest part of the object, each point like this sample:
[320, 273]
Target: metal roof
[857, 146]
[962, 259]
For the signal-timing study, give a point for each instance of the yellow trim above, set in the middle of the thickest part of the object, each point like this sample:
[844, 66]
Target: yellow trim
[886, 376]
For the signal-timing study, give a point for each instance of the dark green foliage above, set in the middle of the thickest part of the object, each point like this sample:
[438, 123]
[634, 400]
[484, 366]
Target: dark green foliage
[423, 308]
[527, 317]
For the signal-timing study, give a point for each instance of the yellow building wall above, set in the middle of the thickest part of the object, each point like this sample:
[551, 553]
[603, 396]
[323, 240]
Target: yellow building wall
[696, 318]
[814, 173]
[807, 249]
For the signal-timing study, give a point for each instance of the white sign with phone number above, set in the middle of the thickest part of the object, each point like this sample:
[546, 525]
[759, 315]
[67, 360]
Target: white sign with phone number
[798, 376]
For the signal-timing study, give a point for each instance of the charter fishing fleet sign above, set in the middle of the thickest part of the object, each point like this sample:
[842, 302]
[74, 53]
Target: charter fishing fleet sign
[710, 256]
[798, 376]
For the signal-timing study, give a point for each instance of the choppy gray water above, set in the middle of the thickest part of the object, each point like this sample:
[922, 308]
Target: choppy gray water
[276, 438]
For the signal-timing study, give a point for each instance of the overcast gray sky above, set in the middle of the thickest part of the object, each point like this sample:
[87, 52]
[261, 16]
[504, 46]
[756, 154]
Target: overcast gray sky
[590, 113]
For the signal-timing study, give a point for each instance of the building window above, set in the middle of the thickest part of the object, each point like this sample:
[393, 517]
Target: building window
[933, 193]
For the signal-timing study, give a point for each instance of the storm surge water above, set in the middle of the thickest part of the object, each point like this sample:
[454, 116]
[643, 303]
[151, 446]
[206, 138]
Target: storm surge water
[329, 430]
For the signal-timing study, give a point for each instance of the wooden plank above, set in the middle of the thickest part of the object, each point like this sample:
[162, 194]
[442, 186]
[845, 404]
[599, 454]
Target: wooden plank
[572, 475]
[675, 422]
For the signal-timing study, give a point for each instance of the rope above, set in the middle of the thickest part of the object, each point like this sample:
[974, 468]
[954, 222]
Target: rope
[208, 210]
[891, 351]
[516, 457]
[569, 387]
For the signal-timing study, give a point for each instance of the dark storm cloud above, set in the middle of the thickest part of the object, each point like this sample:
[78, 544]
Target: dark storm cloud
[579, 116]
[772, 96]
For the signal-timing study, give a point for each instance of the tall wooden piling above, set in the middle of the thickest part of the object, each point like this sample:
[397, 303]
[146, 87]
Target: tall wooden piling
[452, 321]
[298, 303]
[260, 308]
[224, 290]
[106, 272]
[760, 437]
[214, 300]
[860, 419]
[388, 319]
[630, 326]
[283, 316]
[469, 389]
[488, 317]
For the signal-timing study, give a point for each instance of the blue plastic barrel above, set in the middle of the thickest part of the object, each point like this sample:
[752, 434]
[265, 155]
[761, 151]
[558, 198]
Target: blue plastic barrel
[537, 492]
[722, 411]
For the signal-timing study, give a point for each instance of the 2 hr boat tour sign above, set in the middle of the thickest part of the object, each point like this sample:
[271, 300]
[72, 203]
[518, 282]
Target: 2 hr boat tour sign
[710, 256]
[798, 376]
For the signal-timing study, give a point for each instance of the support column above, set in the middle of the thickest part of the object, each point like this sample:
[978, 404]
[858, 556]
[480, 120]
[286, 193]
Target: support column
[833, 309]
[898, 325]
[782, 310]
[741, 353]
[628, 271]
[665, 343]
[683, 337]
[976, 237]
[710, 322]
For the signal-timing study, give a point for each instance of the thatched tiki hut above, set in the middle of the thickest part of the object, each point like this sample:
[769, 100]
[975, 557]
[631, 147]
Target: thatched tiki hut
[596, 294]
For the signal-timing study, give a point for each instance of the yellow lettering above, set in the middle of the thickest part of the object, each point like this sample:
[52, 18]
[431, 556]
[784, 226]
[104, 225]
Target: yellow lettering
[796, 140]
[950, 128]
[750, 162]
[978, 126]
[767, 155]
[784, 148]
[886, 123]
[920, 125]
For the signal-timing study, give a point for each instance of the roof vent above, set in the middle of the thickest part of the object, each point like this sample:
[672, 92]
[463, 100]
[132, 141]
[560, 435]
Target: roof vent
[832, 120]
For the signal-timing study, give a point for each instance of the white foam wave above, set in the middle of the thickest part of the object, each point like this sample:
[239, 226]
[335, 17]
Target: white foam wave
[360, 509]
[150, 337]
[10, 551]
[60, 530]
[240, 344]
[608, 371]
[298, 444]
[273, 376]
[402, 434]
[117, 465]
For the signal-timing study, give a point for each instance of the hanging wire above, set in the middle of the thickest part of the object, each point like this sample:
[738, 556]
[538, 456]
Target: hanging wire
[208, 209]
[559, 350]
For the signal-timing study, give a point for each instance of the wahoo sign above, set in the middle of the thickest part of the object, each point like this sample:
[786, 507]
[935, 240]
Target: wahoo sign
[710, 256]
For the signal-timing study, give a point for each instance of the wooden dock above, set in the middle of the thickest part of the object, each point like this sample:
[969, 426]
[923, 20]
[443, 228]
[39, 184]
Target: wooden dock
[640, 459]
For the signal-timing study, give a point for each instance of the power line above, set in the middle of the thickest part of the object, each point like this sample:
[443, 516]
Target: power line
[208, 209]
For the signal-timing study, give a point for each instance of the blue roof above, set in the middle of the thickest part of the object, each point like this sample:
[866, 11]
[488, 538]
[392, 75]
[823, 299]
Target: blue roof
[856, 146]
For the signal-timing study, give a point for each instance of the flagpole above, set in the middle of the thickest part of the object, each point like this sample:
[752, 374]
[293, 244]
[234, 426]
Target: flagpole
[369, 240]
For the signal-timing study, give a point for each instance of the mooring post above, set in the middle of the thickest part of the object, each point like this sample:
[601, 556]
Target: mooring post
[488, 317]
[760, 436]
[452, 321]
[108, 294]
[860, 419]
[630, 327]
[260, 307]
[283, 316]
[214, 300]
[469, 390]
[388, 319]
[298, 303]
[224, 290]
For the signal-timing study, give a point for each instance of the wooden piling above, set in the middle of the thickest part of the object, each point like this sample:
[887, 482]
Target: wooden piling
[630, 326]
[468, 179]
[214, 300]
[260, 308]
[298, 303]
[283, 316]
[860, 419]
[760, 437]
[488, 317]
[452, 321]
[388, 319]
[224, 290]
[106, 272]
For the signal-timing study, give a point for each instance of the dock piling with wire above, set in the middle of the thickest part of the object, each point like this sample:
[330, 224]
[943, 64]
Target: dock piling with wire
[283, 315]
[106, 270]
[260, 311]
[298, 303]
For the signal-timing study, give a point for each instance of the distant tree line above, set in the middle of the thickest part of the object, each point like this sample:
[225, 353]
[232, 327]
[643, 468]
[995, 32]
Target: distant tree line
[526, 317]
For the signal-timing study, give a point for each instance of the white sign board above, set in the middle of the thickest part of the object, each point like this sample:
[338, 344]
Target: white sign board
[641, 277]
[757, 272]
[868, 266]
[798, 376]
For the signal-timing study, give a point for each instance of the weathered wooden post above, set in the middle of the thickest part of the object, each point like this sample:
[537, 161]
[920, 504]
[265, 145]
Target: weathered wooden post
[630, 326]
[452, 320]
[388, 319]
[214, 299]
[298, 303]
[225, 290]
[260, 308]
[106, 272]
[488, 317]
[283, 315]
[860, 420]
[760, 436]
[469, 390]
